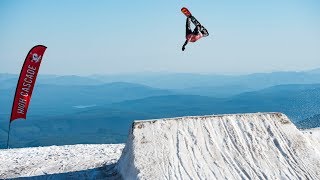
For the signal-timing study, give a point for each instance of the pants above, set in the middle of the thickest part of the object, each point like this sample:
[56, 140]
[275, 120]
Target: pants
[188, 28]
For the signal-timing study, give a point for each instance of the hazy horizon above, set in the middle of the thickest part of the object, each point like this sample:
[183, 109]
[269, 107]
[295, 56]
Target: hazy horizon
[168, 72]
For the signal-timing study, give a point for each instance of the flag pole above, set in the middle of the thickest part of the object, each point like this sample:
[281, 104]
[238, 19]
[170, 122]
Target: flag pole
[8, 135]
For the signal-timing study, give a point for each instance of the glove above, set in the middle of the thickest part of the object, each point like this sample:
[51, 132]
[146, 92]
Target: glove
[183, 48]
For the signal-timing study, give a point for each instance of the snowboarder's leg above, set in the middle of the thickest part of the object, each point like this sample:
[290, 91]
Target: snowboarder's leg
[204, 32]
[197, 30]
[188, 28]
[200, 28]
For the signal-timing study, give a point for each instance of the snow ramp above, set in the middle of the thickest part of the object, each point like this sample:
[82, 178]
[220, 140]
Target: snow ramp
[236, 146]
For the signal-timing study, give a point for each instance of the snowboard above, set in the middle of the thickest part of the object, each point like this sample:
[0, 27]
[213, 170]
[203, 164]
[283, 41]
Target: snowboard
[187, 13]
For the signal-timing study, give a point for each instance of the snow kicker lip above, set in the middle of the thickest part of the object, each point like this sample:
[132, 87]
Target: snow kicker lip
[278, 114]
[250, 146]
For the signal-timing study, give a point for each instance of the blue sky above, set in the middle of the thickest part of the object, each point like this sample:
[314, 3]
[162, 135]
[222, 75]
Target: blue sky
[116, 36]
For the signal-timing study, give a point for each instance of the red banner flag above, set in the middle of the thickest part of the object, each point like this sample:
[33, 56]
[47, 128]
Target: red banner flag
[26, 82]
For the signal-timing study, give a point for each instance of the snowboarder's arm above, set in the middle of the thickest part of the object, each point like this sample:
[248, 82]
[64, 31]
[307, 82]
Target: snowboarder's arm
[184, 45]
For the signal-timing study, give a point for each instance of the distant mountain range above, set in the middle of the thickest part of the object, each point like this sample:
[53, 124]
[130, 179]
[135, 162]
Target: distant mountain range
[53, 99]
[297, 101]
[94, 109]
[310, 122]
[184, 80]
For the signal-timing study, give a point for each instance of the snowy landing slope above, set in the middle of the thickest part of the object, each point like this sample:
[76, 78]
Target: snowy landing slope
[240, 146]
[60, 162]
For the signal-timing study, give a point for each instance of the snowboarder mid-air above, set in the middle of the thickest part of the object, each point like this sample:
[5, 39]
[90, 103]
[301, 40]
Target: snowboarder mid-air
[193, 36]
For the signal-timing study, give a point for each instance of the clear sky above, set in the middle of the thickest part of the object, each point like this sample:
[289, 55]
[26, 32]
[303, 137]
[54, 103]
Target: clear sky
[117, 36]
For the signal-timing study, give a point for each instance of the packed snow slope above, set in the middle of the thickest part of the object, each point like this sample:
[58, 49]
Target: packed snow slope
[82, 161]
[239, 146]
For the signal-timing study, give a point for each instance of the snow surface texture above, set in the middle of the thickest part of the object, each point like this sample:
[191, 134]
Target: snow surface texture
[61, 162]
[314, 135]
[239, 146]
